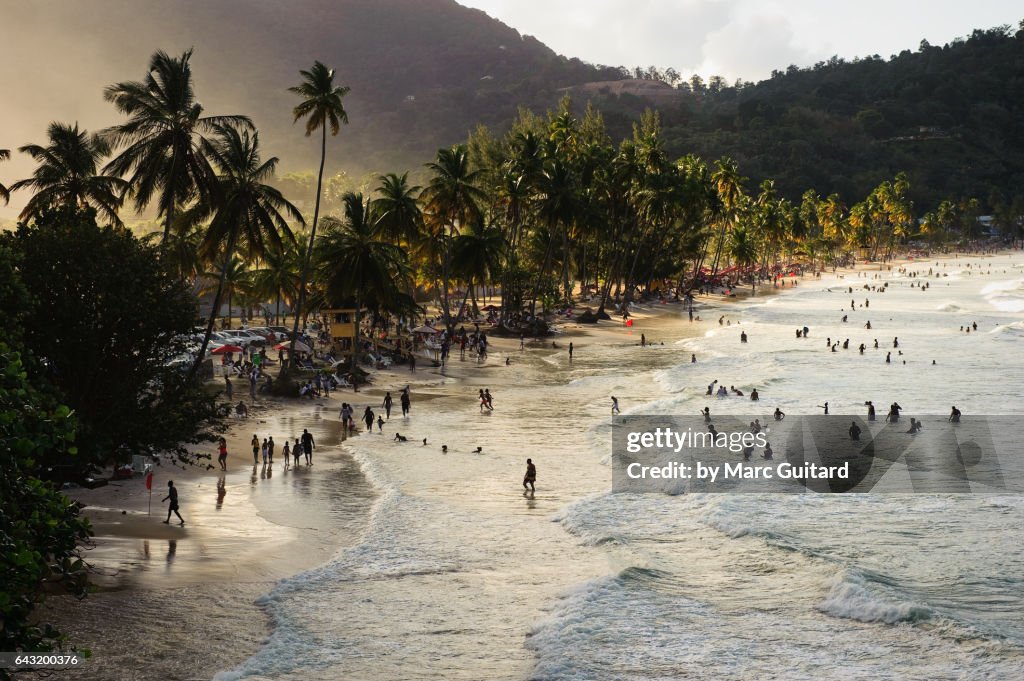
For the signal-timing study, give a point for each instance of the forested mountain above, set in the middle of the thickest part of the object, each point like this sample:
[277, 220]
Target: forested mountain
[952, 117]
[423, 73]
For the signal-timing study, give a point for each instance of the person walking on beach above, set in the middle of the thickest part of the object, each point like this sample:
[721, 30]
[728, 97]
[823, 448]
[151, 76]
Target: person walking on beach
[368, 419]
[263, 451]
[406, 402]
[296, 451]
[380, 424]
[570, 351]
[615, 405]
[255, 450]
[270, 450]
[954, 416]
[172, 494]
[531, 475]
[287, 452]
[222, 454]
[308, 446]
[490, 400]
[388, 401]
[252, 385]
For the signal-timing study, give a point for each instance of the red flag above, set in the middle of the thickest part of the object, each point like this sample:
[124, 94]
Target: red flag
[149, 480]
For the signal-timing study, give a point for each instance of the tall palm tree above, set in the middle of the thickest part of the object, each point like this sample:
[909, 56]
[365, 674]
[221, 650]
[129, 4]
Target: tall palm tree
[477, 254]
[743, 249]
[729, 185]
[321, 106]
[68, 174]
[250, 216]
[452, 199]
[356, 262]
[557, 206]
[5, 194]
[163, 137]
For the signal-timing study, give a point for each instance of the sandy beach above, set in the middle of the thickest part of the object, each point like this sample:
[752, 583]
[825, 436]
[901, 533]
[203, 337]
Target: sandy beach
[388, 532]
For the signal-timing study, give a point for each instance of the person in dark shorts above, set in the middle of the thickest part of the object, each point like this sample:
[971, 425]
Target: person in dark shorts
[172, 494]
[531, 475]
[222, 457]
[255, 450]
[308, 446]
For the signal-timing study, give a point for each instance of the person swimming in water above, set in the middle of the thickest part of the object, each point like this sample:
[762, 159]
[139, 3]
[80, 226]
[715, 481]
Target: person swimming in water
[779, 414]
[954, 415]
[706, 414]
[754, 397]
[768, 453]
[854, 431]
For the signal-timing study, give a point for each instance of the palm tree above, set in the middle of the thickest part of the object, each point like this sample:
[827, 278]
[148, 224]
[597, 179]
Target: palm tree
[477, 254]
[68, 174]
[249, 214]
[237, 280]
[181, 248]
[321, 106]
[743, 249]
[397, 209]
[5, 194]
[729, 185]
[452, 200]
[557, 206]
[278, 277]
[356, 262]
[163, 137]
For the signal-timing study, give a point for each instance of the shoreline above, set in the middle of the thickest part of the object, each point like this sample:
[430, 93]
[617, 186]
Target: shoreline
[297, 547]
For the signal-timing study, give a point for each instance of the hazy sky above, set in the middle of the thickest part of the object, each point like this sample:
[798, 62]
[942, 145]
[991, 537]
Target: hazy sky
[742, 38]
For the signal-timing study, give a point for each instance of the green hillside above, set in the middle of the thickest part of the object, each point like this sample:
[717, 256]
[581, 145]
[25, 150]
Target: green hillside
[952, 117]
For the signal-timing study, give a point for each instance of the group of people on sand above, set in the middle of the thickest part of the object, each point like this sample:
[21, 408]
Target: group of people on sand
[303, 445]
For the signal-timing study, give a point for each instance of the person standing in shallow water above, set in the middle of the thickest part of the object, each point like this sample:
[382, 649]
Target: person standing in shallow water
[172, 494]
[255, 450]
[570, 351]
[387, 404]
[530, 478]
[308, 446]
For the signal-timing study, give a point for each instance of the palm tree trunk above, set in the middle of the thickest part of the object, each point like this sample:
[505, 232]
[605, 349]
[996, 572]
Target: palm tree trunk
[309, 251]
[169, 218]
[216, 306]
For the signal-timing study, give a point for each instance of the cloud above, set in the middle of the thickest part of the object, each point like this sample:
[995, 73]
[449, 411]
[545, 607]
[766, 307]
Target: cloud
[751, 47]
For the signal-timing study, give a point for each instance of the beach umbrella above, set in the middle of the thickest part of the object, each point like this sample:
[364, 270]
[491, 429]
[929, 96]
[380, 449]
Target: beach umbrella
[424, 329]
[299, 346]
[224, 349]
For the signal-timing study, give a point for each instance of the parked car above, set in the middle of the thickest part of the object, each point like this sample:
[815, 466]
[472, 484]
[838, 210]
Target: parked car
[264, 332]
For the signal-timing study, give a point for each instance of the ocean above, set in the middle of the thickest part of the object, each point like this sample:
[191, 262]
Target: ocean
[457, 574]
